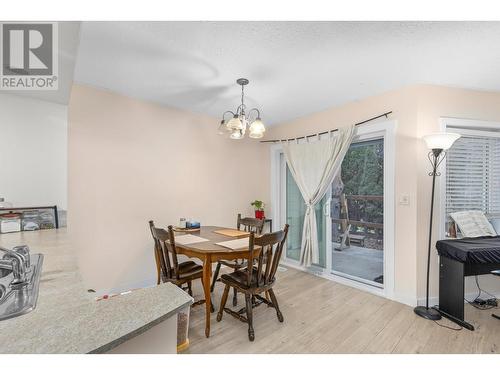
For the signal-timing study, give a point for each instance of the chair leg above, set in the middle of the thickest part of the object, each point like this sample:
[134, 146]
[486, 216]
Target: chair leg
[216, 275]
[275, 303]
[223, 303]
[190, 291]
[235, 297]
[267, 296]
[251, 333]
[495, 316]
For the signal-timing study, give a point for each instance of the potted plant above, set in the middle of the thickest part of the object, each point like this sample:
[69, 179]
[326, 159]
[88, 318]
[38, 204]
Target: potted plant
[259, 209]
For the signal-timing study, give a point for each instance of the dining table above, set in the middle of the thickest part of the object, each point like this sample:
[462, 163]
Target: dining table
[209, 252]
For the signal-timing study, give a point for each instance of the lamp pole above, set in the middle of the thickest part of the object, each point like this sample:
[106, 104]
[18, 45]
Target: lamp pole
[438, 143]
[436, 156]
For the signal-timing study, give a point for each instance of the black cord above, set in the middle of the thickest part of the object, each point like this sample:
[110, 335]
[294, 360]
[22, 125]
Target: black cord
[448, 327]
[477, 305]
[473, 304]
[443, 325]
[484, 291]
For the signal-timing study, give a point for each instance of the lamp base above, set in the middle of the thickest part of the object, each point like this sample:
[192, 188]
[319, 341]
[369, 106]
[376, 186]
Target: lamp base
[427, 313]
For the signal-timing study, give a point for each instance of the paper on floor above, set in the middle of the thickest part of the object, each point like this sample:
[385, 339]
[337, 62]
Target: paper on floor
[241, 243]
[187, 239]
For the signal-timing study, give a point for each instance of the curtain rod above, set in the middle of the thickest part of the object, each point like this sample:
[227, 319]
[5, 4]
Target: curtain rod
[333, 130]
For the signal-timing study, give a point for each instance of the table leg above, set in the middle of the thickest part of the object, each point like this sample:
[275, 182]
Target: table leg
[207, 274]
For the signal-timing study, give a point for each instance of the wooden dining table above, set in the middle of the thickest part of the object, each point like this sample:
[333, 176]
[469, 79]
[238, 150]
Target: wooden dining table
[209, 252]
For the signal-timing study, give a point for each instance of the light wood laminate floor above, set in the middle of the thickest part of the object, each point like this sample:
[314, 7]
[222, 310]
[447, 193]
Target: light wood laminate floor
[322, 316]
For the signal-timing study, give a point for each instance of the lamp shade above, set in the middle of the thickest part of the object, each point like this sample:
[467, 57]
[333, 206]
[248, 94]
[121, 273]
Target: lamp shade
[237, 134]
[440, 141]
[255, 134]
[257, 129]
[223, 130]
[235, 123]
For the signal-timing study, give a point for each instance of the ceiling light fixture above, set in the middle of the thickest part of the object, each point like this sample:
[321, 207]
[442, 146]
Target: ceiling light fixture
[236, 126]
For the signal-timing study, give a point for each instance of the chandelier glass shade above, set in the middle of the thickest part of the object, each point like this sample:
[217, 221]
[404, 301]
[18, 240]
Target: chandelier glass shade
[236, 126]
[257, 129]
[235, 123]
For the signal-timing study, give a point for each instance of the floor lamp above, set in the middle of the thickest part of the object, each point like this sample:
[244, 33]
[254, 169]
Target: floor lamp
[438, 143]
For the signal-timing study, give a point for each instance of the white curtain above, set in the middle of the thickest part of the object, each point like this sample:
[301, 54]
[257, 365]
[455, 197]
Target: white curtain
[314, 165]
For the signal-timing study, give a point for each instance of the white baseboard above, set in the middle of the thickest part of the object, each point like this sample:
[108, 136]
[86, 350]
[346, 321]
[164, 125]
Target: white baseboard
[337, 279]
[433, 301]
[405, 299]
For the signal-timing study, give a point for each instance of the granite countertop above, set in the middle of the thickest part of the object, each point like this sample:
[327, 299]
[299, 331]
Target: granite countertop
[68, 319]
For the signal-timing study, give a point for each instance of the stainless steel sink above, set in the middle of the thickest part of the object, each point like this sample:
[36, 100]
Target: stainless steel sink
[19, 290]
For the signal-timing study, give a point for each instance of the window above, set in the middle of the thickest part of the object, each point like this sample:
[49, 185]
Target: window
[473, 173]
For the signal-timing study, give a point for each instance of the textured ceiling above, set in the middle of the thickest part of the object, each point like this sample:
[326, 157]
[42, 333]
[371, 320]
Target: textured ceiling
[294, 68]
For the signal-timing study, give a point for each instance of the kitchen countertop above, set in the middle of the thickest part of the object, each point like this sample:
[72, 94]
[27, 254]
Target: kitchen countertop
[67, 318]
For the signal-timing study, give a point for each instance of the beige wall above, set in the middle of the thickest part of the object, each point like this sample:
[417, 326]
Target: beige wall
[119, 149]
[404, 107]
[131, 161]
[435, 102]
[417, 110]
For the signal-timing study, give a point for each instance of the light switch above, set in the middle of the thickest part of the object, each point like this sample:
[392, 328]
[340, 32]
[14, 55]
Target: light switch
[404, 200]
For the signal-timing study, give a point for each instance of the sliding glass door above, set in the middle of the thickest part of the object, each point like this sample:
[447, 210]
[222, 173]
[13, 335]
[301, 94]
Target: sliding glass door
[357, 214]
[350, 217]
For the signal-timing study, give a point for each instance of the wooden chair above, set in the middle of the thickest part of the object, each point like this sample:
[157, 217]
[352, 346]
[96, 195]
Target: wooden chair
[158, 257]
[249, 224]
[170, 269]
[257, 278]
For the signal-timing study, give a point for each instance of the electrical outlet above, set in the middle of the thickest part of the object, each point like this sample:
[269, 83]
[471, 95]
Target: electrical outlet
[404, 200]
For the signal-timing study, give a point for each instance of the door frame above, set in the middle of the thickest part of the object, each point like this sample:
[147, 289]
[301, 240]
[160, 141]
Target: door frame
[386, 129]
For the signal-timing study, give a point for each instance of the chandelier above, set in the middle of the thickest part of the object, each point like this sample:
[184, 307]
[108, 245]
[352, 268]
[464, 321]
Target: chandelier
[236, 126]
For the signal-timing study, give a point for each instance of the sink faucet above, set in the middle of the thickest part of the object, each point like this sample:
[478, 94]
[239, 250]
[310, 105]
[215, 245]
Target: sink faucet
[17, 260]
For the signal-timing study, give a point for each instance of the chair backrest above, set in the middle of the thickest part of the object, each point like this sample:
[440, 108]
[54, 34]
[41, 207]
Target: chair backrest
[159, 258]
[165, 248]
[271, 245]
[250, 224]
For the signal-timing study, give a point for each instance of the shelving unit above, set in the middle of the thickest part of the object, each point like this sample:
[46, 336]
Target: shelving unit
[22, 209]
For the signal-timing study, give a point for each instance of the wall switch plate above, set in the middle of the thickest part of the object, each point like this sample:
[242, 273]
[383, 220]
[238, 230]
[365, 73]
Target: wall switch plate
[404, 200]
